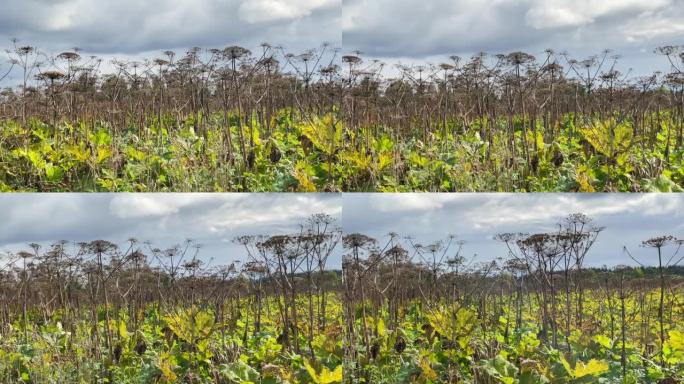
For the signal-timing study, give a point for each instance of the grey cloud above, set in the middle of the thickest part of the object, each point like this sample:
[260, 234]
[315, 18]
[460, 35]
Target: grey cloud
[213, 220]
[388, 29]
[392, 29]
[131, 26]
[476, 218]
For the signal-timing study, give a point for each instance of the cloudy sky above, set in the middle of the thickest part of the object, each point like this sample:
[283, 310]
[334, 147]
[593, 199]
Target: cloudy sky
[476, 218]
[213, 220]
[393, 30]
[166, 219]
[129, 29]
[417, 29]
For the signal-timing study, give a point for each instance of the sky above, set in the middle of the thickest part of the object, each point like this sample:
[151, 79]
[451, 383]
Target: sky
[164, 219]
[416, 30]
[131, 29]
[213, 220]
[476, 218]
[408, 31]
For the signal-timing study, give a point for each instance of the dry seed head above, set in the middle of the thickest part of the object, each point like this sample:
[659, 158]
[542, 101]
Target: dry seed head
[659, 242]
[329, 70]
[588, 63]
[192, 264]
[351, 59]
[161, 62]
[355, 240]
[235, 52]
[306, 56]
[24, 254]
[675, 78]
[666, 50]
[553, 67]
[519, 58]
[69, 56]
[51, 75]
[25, 50]
[270, 62]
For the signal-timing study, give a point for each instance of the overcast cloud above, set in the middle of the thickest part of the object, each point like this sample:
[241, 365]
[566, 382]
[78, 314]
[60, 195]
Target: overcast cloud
[476, 218]
[417, 30]
[132, 26]
[213, 220]
[131, 29]
[165, 219]
[406, 30]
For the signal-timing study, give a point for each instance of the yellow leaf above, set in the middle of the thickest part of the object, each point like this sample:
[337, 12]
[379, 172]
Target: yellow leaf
[325, 133]
[609, 137]
[311, 370]
[593, 367]
[567, 366]
[584, 183]
[676, 340]
[305, 183]
[123, 331]
[673, 349]
[103, 153]
[135, 154]
[380, 325]
[328, 377]
[191, 325]
[426, 370]
[166, 367]
[603, 341]
[384, 160]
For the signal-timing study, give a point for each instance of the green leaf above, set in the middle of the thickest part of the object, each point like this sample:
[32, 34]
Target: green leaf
[54, 173]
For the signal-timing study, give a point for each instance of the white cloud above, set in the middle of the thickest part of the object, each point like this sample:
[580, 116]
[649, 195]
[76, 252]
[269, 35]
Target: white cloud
[651, 26]
[551, 17]
[505, 209]
[133, 26]
[136, 205]
[544, 14]
[404, 202]
[63, 16]
[229, 216]
[129, 206]
[164, 219]
[258, 11]
[476, 218]
[395, 30]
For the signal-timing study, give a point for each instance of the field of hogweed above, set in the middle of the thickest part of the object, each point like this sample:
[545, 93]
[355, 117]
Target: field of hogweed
[234, 120]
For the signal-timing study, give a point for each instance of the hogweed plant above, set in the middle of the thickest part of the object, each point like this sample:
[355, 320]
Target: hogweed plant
[100, 312]
[513, 122]
[225, 116]
[265, 119]
[536, 315]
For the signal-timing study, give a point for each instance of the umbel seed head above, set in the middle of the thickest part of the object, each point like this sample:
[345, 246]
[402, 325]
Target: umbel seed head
[235, 52]
[51, 75]
[351, 59]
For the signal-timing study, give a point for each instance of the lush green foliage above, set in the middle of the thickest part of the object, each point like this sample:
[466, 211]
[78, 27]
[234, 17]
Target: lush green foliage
[459, 342]
[320, 154]
[157, 158]
[185, 344]
[590, 156]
